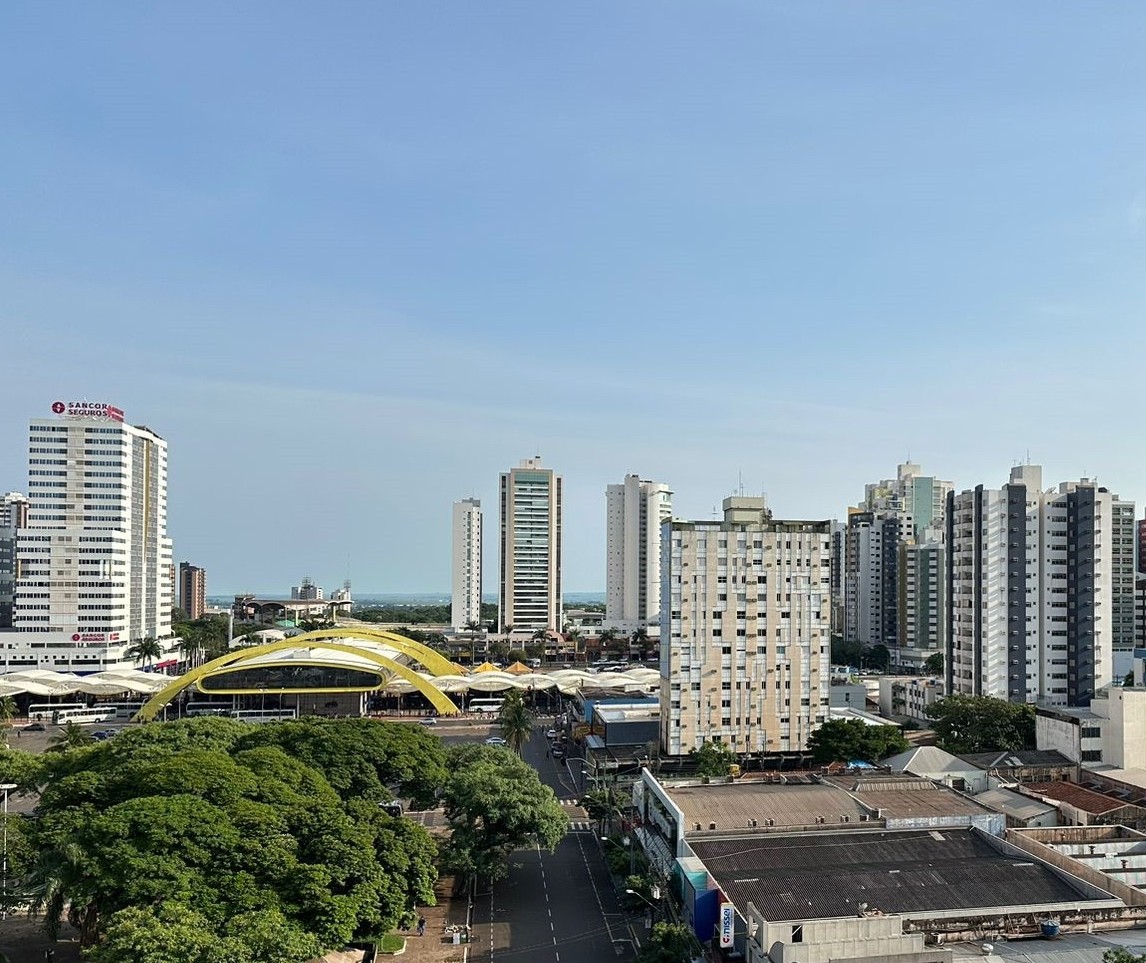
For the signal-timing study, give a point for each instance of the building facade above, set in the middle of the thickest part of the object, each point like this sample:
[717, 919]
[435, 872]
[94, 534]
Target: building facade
[192, 590]
[922, 600]
[744, 630]
[529, 584]
[1035, 579]
[93, 564]
[13, 517]
[465, 569]
[635, 511]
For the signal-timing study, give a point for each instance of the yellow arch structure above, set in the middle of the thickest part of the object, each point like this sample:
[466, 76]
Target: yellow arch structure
[437, 698]
[434, 661]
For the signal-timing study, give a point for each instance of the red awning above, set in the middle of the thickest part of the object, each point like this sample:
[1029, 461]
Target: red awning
[167, 664]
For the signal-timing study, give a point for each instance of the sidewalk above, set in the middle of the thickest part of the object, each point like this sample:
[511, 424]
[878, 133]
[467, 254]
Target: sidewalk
[436, 946]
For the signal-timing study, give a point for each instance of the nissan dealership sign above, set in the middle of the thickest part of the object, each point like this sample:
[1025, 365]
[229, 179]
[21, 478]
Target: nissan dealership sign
[88, 409]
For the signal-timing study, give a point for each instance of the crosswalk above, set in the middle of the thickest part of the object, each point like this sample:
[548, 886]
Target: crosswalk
[580, 825]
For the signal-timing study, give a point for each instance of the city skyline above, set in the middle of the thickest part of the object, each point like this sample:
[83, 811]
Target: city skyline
[374, 255]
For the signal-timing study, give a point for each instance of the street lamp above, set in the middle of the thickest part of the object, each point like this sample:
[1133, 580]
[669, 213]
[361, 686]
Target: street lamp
[626, 843]
[655, 892]
[5, 788]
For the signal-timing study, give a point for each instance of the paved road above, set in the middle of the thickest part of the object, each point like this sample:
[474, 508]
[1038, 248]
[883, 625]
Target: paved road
[559, 906]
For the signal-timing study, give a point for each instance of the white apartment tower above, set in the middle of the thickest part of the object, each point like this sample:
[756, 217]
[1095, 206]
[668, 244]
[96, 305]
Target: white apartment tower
[465, 578]
[635, 511]
[744, 630]
[529, 587]
[1040, 584]
[93, 565]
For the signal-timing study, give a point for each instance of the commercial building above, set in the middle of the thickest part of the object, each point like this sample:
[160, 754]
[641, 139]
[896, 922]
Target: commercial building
[307, 591]
[13, 517]
[93, 564]
[192, 590]
[465, 569]
[1041, 584]
[635, 511]
[529, 587]
[744, 630]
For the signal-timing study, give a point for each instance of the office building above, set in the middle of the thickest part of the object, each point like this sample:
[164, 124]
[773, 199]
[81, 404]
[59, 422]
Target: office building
[529, 586]
[744, 630]
[307, 591]
[1040, 584]
[13, 517]
[192, 590]
[93, 564]
[635, 511]
[465, 577]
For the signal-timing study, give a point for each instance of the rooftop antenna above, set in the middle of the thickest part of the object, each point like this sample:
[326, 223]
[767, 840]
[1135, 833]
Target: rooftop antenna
[740, 483]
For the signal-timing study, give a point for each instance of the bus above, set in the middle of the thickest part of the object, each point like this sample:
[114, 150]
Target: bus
[264, 715]
[122, 710]
[46, 711]
[83, 715]
[209, 709]
[486, 706]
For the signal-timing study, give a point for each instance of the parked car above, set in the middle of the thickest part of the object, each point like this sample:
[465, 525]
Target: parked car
[551, 734]
[495, 741]
[428, 721]
[101, 734]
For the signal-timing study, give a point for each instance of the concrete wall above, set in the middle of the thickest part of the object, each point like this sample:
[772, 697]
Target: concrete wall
[1059, 735]
[1029, 842]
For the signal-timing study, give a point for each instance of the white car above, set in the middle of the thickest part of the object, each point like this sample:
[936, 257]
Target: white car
[428, 721]
[551, 734]
[495, 741]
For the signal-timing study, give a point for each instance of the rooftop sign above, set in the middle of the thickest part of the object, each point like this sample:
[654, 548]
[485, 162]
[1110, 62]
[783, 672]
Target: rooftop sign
[88, 409]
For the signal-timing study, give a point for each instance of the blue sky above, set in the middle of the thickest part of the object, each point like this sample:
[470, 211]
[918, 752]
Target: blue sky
[354, 259]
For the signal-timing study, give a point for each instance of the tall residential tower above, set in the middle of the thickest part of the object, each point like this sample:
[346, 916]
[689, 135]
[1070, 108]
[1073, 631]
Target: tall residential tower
[744, 630]
[192, 589]
[1041, 584]
[635, 511]
[465, 576]
[529, 587]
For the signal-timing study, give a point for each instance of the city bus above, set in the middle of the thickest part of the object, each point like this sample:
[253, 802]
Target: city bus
[83, 715]
[208, 708]
[46, 711]
[264, 715]
[486, 706]
[122, 710]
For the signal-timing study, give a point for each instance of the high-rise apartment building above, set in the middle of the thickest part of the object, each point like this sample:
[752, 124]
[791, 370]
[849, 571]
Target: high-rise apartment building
[192, 589]
[1041, 583]
[465, 578]
[744, 630]
[13, 517]
[93, 564]
[306, 591]
[529, 587]
[635, 511]
[922, 600]
[907, 510]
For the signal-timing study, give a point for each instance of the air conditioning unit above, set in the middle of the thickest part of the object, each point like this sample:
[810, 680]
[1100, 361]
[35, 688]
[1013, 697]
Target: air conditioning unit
[712, 825]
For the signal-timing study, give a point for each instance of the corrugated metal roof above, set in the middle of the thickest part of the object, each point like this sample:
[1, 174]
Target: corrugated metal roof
[1013, 803]
[823, 875]
[731, 806]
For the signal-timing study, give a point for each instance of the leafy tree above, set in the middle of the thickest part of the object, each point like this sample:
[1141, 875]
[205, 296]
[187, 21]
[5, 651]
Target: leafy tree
[7, 714]
[669, 943]
[712, 759]
[847, 740]
[517, 655]
[146, 651]
[514, 722]
[611, 642]
[1120, 954]
[179, 615]
[495, 803]
[878, 657]
[58, 881]
[934, 664]
[966, 723]
[70, 736]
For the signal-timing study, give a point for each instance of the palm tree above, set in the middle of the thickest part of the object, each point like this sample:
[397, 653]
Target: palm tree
[57, 883]
[640, 640]
[608, 640]
[514, 721]
[146, 650]
[191, 648]
[573, 635]
[473, 627]
[70, 736]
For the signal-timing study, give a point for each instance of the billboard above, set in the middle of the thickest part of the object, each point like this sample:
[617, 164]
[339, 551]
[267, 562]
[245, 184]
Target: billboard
[88, 409]
[727, 925]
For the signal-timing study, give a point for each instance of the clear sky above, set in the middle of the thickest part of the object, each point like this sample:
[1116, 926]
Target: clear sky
[352, 259]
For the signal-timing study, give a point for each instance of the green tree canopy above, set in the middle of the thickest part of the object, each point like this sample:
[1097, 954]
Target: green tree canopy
[712, 759]
[848, 740]
[495, 803]
[966, 723]
[247, 840]
[934, 664]
[669, 943]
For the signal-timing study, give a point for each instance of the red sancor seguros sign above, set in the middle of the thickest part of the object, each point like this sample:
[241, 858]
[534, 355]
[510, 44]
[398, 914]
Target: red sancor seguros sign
[87, 409]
